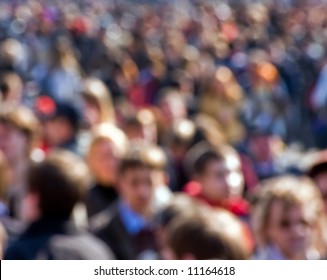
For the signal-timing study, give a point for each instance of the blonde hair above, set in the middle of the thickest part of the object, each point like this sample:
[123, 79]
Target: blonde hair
[96, 92]
[112, 134]
[291, 191]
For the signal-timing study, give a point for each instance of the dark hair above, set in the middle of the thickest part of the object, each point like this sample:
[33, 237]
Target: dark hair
[201, 163]
[317, 170]
[60, 182]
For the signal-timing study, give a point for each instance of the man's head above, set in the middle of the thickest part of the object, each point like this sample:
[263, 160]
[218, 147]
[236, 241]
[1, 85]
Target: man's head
[288, 216]
[206, 234]
[55, 185]
[135, 180]
[18, 131]
[211, 171]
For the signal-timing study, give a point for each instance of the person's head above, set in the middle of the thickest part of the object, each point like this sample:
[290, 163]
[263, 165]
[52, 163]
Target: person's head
[107, 147]
[11, 88]
[263, 145]
[210, 170]
[141, 126]
[289, 215]
[55, 186]
[172, 105]
[318, 172]
[60, 120]
[180, 205]
[98, 103]
[207, 234]
[18, 132]
[135, 180]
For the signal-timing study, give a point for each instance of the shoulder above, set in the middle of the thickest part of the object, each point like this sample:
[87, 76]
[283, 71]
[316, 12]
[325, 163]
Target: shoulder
[82, 246]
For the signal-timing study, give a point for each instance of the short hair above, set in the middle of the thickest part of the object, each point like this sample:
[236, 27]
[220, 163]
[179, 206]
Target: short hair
[60, 181]
[291, 191]
[200, 155]
[180, 204]
[140, 155]
[209, 234]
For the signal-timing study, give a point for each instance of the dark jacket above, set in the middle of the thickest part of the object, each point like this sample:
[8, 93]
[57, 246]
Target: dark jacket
[57, 240]
[108, 226]
[99, 198]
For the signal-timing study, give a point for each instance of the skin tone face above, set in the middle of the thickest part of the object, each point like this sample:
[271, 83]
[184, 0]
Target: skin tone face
[58, 131]
[13, 143]
[288, 230]
[321, 181]
[214, 181]
[103, 163]
[136, 189]
[92, 114]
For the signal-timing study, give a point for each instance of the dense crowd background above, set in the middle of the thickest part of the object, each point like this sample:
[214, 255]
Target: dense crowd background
[163, 129]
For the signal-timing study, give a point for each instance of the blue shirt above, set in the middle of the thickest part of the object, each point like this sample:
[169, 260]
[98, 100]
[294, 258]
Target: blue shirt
[132, 221]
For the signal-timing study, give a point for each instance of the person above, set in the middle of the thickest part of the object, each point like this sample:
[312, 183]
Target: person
[98, 103]
[18, 136]
[11, 88]
[208, 234]
[174, 209]
[127, 226]
[61, 121]
[318, 173]
[108, 147]
[285, 225]
[55, 186]
[211, 170]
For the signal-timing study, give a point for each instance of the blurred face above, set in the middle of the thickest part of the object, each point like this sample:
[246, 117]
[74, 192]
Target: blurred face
[214, 181]
[134, 132]
[173, 109]
[58, 131]
[260, 146]
[136, 189]
[13, 143]
[103, 162]
[92, 114]
[321, 181]
[289, 230]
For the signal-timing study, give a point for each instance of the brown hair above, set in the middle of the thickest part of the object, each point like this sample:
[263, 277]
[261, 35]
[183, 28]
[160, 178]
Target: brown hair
[60, 181]
[209, 234]
[23, 119]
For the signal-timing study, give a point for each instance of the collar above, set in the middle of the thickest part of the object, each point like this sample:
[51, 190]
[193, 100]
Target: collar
[132, 221]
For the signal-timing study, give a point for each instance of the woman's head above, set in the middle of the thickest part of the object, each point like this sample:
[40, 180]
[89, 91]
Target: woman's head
[108, 146]
[289, 215]
[98, 103]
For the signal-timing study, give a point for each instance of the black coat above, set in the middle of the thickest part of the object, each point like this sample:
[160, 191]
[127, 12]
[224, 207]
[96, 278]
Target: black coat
[57, 240]
[109, 227]
[99, 198]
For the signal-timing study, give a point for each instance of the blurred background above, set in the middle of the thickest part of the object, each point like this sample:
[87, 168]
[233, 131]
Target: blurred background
[225, 97]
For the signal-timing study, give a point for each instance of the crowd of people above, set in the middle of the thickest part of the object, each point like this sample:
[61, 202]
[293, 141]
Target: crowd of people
[163, 129]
